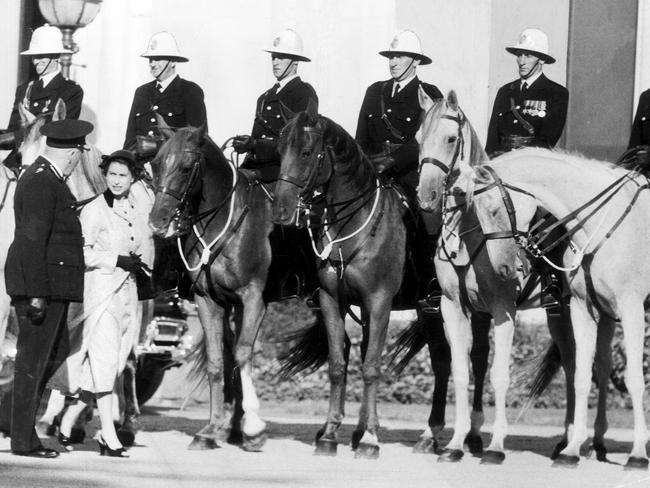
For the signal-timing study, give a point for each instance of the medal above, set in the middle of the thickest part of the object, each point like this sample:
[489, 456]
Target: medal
[542, 113]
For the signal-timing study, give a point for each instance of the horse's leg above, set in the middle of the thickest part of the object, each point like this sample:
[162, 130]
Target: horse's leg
[603, 364]
[212, 318]
[440, 356]
[479, 358]
[633, 321]
[360, 429]
[584, 331]
[253, 426]
[230, 430]
[500, 378]
[379, 314]
[458, 330]
[127, 430]
[327, 442]
[559, 325]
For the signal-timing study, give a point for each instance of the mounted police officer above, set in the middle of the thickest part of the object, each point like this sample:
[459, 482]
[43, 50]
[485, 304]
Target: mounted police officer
[640, 135]
[531, 110]
[276, 106]
[178, 101]
[39, 96]
[44, 273]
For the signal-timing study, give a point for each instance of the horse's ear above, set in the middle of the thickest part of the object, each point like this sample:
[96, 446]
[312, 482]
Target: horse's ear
[198, 134]
[452, 100]
[426, 102]
[60, 110]
[26, 117]
[312, 111]
[163, 128]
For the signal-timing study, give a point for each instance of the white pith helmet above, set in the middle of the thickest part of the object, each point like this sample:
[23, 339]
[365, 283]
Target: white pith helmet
[46, 40]
[289, 43]
[163, 45]
[406, 43]
[535, 42]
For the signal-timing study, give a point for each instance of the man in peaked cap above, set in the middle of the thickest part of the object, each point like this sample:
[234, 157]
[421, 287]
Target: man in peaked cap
[276, 105]
[179, 101]
[44, 273]
[39, 96]
[531, 110]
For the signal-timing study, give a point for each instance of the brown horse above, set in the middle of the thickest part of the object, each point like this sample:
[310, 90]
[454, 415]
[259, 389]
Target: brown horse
[227, 216]
[361, 247]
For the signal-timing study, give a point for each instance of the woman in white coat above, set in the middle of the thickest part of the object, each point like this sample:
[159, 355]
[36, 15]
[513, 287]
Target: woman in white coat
[116, 236]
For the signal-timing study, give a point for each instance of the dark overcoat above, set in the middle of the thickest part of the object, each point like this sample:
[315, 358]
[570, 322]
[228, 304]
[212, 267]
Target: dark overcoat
[544, 105]
[45, 258]
[180, 104]
[640, 135]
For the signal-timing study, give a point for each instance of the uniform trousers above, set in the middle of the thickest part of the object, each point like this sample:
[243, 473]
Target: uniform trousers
[41, 349]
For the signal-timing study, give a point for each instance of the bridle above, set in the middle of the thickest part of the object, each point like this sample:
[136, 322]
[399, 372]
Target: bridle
[183, 196]
[459, 150]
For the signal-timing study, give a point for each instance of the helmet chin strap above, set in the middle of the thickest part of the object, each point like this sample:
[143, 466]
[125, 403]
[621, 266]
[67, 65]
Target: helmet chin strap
[284, 73]
[163, 70]
[405, 72]
[530, 72]
[44, 70]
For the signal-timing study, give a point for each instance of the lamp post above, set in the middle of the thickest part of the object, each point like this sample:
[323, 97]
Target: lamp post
[68, 16]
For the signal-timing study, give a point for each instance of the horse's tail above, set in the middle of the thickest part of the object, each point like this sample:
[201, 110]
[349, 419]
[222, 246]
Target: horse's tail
[409, 342]
[546, 371]
[309, 353]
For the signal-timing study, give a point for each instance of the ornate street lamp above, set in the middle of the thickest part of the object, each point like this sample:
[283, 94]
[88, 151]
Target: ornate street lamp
[69, 15]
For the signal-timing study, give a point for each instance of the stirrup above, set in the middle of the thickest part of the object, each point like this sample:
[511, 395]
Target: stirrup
[549, 296]
[430, 305]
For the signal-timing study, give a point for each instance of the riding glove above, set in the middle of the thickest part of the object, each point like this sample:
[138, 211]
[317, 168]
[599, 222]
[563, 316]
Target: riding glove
[36, 309]
[243, 144]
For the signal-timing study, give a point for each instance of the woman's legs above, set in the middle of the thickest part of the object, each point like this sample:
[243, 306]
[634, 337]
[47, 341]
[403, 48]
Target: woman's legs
[70, 417]
[105, 408]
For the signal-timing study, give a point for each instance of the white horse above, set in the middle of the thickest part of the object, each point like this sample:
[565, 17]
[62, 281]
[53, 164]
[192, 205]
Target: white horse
[605, 210]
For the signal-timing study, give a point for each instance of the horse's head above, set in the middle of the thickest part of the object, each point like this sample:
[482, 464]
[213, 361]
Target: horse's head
[87, 179]
[30, 140]
[504, 214]
[306, 165]
[177, 172]
[447, 143]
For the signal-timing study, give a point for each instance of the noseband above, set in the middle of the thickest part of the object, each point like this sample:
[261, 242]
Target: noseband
[458, 151]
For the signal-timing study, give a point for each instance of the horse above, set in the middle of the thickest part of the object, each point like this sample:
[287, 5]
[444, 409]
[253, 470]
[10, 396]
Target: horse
[449, 146]
[227, 254]
[361, 251]
[604, 209]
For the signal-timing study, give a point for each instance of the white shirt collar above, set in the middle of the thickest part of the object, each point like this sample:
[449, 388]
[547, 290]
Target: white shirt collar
[283, 82]
[166, 82]
[529, 81]
[49, 77]
[55, 168]
[404, 82]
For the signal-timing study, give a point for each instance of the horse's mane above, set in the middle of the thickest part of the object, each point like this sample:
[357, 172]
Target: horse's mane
[350, 159]
[173, 146]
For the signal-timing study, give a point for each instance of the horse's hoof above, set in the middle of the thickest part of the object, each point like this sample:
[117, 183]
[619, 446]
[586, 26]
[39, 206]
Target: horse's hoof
[77, 435]
[566, 461]
[559, 447]
[635, 463]
[493, 457]
[202, 444]
[367, 451]
[254, 443]
[451, 456]
[126, 437]
[234, 437]
[356, 439]
[325, 447]
[426, 445]
[474, 444]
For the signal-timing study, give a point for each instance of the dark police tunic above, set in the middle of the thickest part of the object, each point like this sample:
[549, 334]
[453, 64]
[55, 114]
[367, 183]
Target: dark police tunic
[543, 105]
[272, 112]
[640, 135]
[44, 260]
[42, 100]
[180, 104]
[391, 128]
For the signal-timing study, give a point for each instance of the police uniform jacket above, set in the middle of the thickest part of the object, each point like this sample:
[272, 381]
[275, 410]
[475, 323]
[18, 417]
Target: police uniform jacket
[45, 258]
[42, 100]
[272, 112]
[543, 104]
[180, 104]
[640, 134]
[402, 113]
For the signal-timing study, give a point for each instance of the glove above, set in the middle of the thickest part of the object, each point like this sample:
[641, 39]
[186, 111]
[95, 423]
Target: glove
[130, 263]
[243, 144]
[36, 309]
[382, 162]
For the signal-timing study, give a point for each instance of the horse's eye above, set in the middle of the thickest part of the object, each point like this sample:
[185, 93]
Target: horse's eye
[452, 139]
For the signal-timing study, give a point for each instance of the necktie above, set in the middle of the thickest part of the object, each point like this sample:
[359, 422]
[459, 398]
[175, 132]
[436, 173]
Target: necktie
[396, 88]
[275, 89]
[524, 87]
[39, 84]
[159, 87]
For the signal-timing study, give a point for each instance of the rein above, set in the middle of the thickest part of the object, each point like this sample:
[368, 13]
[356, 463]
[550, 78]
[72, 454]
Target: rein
[6, 191]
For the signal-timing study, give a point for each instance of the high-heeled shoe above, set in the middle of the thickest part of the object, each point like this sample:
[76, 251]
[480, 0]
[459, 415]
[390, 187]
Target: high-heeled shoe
[105, 450]
[65, 441]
